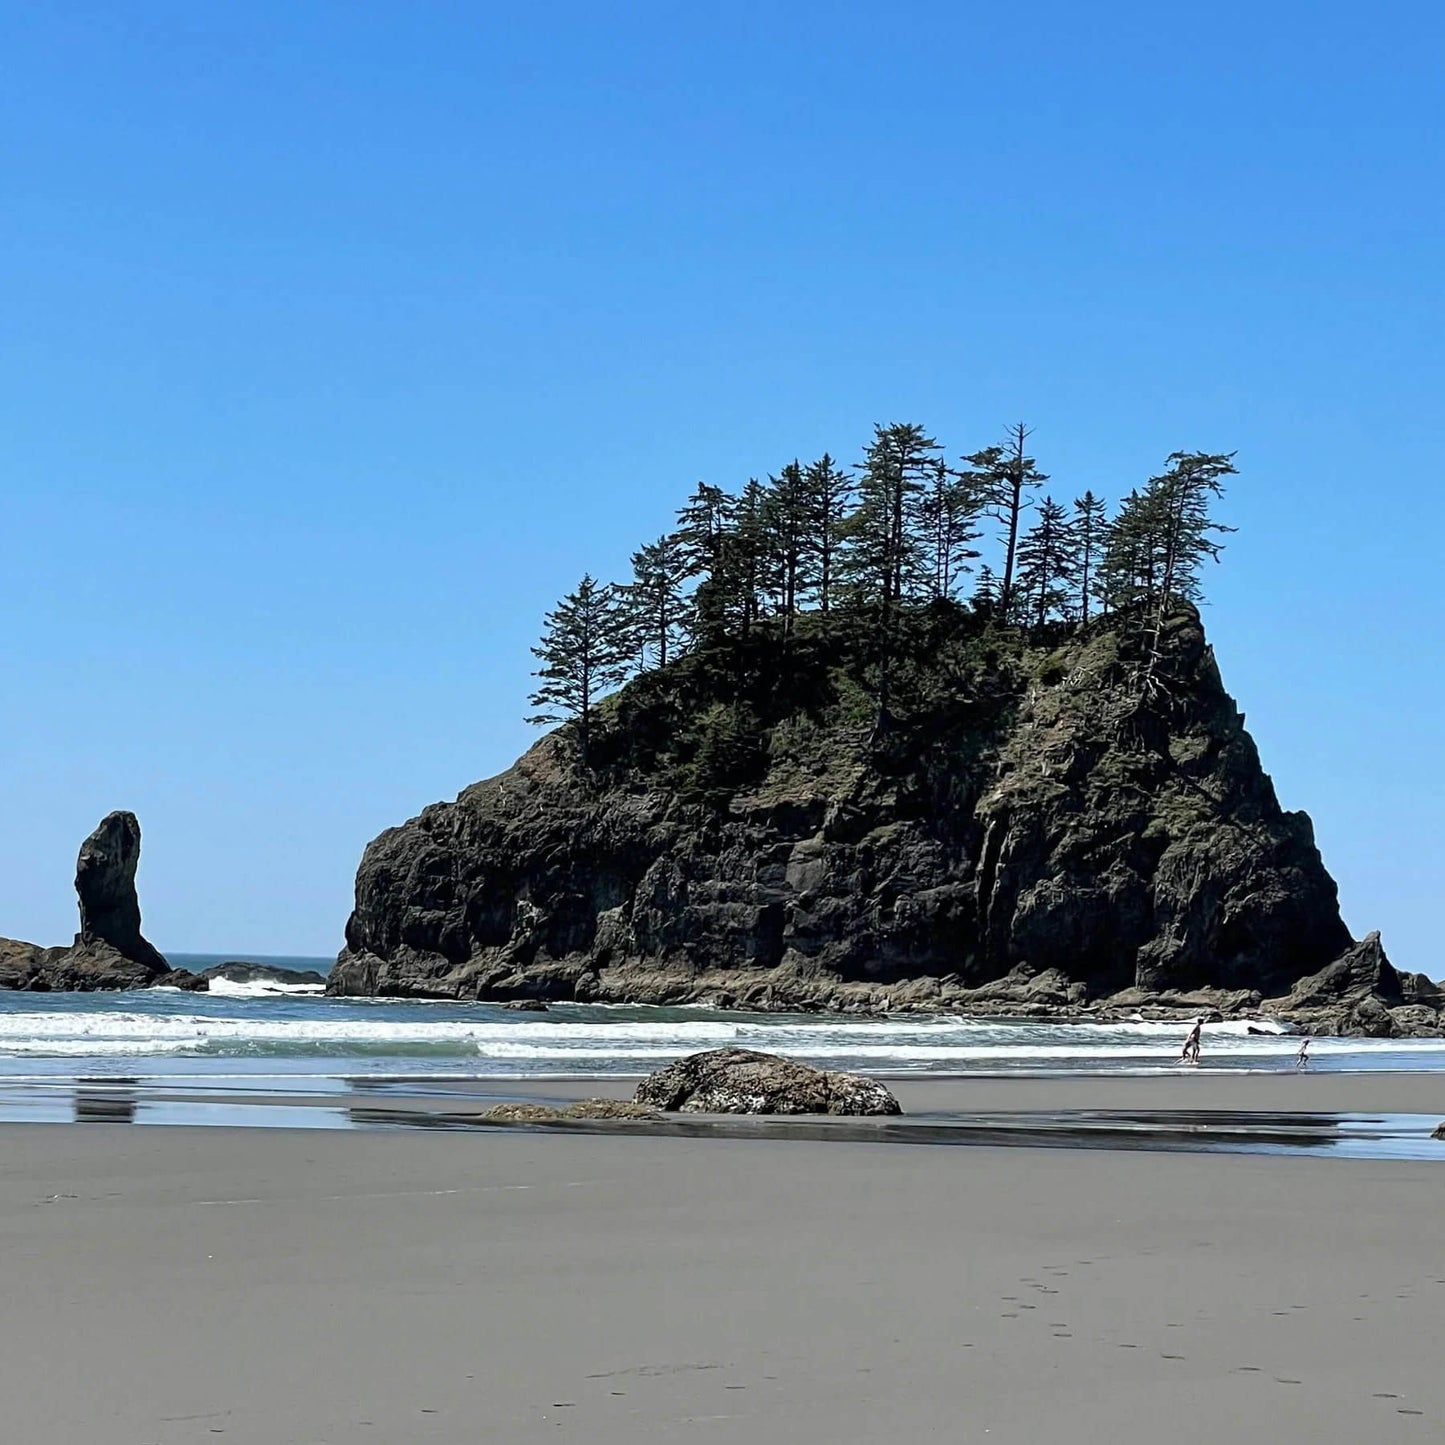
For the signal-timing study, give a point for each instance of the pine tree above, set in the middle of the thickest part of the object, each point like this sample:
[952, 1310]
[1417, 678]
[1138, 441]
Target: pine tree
[985, 589]
[1046, 579]
[788, 533]
[701, 525]
[704, 528]
[655, 601]
[1181, 497]
[1090, 529]
[585, 653]
[1006, 478]
[947, 512]
[828, 491]
[885, 557]
[1126, 568]
[1183, 532]
[750, 570]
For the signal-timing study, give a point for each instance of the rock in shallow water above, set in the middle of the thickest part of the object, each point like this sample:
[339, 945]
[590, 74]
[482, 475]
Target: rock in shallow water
[244, 971]
[743, 1081]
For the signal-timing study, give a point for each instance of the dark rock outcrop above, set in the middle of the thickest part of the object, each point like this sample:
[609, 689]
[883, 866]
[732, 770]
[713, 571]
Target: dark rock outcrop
[1041, 831]
[105, 886]
[110, 950]
[743, 1081]
[262, 973]
[1361, 994]
[181, 978]
[21, 962]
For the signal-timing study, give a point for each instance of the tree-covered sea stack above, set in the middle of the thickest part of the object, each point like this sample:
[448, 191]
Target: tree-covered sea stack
[908, 734]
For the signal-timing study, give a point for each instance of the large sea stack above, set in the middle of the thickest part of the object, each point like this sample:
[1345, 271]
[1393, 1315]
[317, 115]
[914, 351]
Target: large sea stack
[1047, 824]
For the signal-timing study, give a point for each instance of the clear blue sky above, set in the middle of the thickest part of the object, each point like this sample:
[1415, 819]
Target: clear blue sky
[338, 340]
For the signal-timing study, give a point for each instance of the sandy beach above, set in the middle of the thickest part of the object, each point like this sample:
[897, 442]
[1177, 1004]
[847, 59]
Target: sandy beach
[293, 1287]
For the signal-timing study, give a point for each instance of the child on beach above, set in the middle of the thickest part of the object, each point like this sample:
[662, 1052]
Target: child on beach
[1302, 1059]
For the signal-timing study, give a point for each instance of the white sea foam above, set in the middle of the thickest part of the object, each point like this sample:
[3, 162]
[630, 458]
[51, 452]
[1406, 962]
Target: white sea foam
[316, 1036]
[262, 988]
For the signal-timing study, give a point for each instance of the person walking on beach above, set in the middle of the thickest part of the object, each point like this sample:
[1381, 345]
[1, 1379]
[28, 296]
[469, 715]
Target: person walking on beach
[1191, 1044]
[1302, 1059]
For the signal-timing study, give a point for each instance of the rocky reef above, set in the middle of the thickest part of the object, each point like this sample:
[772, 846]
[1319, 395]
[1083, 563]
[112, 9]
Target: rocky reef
[109, 951]
[1050, 825]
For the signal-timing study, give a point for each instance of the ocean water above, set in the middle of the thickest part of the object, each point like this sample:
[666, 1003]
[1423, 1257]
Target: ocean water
[297, 1042]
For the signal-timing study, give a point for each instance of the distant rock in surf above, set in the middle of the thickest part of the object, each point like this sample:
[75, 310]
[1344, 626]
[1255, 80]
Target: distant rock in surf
[744, 1081]
[239, 971]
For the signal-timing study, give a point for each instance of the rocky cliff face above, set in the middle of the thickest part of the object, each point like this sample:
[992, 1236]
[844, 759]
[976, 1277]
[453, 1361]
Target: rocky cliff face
[1046, 826]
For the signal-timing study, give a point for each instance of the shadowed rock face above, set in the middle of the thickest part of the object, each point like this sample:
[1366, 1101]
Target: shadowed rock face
[1039, 836]
[105, 886]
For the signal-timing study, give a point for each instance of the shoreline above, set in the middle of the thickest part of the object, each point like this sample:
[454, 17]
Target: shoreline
[1367, 1116]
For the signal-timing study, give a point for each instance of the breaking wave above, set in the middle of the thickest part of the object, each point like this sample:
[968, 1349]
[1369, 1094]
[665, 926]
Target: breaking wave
[301, 1034]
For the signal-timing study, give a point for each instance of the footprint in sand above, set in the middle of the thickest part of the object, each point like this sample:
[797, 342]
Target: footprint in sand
[1280, 1380]
[1248, 1370]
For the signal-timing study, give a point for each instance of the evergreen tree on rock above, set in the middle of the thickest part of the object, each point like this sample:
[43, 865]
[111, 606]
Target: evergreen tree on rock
[1090, 527]
[828, 490]
[886, 559]
[1047, 567]
[1007, 478]
[655, 600]
[585, 653]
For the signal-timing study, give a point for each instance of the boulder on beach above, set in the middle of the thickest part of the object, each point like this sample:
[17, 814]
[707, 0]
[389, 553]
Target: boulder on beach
[744, 1081]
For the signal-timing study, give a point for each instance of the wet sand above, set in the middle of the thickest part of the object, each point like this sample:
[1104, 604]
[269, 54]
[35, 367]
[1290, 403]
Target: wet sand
[287, 1287]
[1391, 1093]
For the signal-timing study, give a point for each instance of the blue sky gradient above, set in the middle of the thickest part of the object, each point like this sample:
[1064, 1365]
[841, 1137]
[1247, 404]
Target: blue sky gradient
[339, 340]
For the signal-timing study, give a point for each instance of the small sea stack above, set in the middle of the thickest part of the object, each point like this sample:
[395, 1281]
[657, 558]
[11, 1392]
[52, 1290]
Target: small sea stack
[109, 951]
